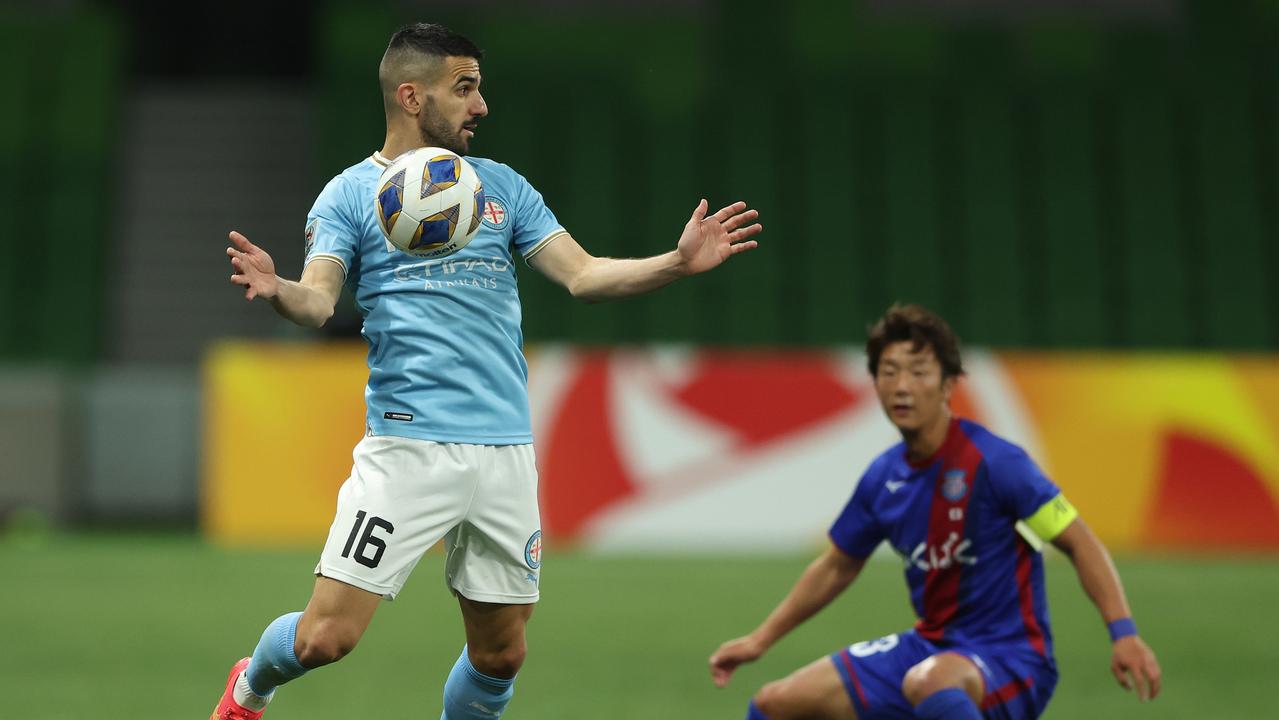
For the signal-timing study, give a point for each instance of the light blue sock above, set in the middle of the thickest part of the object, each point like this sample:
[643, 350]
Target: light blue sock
[948, 704]
[273, 660]
[471, 695]
[754, 713]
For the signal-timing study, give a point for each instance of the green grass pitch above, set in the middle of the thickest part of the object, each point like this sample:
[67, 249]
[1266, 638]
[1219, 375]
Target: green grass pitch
[138, 627]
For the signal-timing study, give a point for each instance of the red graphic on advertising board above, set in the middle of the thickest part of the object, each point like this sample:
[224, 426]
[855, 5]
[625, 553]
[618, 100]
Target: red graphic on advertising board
[758, 399]
[1208, 498]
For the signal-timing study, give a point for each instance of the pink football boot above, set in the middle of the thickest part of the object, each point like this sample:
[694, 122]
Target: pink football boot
[228, 708]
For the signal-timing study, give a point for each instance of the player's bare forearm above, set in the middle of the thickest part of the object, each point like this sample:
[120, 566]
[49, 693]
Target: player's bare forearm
[1132, 662]
[1097, 573]
[603, 278]
[824, 579]
[303, 305]
[706, 243]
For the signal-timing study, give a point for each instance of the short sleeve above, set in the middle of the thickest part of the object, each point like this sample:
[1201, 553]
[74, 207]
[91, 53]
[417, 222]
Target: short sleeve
[330, 233]
[534, 225]
[1028, 495]
[856, 531]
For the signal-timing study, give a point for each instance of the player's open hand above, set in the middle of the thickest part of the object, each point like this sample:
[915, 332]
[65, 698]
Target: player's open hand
[1134, 665]
[253, 268]
[732, 654]
[708, 241]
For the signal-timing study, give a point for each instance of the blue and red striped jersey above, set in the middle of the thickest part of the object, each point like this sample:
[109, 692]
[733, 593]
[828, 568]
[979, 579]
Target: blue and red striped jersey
[952, 518]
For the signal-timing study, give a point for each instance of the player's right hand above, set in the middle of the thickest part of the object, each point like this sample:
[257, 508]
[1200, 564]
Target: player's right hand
[732, 654]
[253, 268]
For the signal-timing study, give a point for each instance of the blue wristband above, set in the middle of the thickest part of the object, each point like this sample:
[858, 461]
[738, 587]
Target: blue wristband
[1121, 628]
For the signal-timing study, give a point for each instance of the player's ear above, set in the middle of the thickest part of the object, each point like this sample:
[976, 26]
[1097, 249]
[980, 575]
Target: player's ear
[947, 387]
[408, 98]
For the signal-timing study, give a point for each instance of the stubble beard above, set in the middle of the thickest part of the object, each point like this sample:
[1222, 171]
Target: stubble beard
[436, 132]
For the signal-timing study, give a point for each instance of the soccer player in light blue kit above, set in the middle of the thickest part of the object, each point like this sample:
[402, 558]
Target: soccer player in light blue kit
[948, 499]
[448, 449]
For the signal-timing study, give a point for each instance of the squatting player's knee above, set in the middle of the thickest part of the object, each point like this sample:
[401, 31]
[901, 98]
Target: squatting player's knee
[774, 700]
[326, 642]
[502, 662]
[930, 676]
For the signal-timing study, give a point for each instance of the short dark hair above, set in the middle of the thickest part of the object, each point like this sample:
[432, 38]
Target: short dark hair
[433, 39]
[414, 54]
[921, 327]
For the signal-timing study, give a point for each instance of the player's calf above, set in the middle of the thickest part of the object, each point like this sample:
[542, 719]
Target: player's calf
[324, 641]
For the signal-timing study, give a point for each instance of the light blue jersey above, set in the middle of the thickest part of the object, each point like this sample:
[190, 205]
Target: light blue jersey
[446, 360]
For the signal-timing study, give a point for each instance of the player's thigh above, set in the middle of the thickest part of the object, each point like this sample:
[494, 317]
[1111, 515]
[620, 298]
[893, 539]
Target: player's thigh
[493, 625]
[495, 555]
[814, 691]
[402, 497]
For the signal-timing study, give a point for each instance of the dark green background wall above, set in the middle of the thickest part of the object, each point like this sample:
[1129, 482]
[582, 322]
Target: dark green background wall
[1043, 184]
[61, 80]
[1056, 184]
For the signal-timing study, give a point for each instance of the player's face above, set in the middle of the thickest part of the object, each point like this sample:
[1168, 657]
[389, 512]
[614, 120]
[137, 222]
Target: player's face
[910, 387]
[453, 106]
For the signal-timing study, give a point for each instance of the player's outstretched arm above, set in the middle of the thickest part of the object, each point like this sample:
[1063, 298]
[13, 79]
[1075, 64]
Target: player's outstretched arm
[1132, 661]
[824, 579]
[705, 243]
[308, 302]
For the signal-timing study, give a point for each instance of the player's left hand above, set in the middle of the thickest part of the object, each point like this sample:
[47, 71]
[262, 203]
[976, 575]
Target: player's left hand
[1134, 664]
[708, 241]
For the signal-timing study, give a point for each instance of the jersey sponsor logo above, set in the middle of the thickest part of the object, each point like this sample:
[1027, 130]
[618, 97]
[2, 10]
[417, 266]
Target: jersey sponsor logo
[953, 488]
[494, 212]
[533, 550]
[402, 417]
[952, 552]
[477, 273]
[310, 237]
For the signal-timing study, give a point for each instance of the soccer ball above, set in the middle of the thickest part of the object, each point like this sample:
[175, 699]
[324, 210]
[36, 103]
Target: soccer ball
[429, 202]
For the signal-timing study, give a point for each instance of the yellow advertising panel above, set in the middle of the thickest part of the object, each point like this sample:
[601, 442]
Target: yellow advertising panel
[279, 425]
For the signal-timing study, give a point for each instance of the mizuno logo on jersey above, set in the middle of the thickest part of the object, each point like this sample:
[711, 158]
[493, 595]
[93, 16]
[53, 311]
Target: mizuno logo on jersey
[954, 551]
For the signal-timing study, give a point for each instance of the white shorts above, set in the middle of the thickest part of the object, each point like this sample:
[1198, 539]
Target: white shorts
[404, 495]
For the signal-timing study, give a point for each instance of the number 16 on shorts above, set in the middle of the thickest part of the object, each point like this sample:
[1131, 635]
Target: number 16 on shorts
[366, 539]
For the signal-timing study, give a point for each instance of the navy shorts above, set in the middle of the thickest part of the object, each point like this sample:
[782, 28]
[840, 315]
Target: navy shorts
[1019, 681]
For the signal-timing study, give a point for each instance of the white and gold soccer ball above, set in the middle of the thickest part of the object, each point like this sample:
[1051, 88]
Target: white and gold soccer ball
[429, 202]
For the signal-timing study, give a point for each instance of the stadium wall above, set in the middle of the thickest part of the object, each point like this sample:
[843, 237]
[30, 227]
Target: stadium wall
[1062, 179]
[684, 449]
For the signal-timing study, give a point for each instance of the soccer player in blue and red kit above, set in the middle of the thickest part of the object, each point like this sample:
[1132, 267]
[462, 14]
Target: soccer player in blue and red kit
[967, 511]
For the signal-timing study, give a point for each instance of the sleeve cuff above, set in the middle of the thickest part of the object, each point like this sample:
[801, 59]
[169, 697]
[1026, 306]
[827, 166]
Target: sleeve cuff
[331, 258]
[537, 246]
